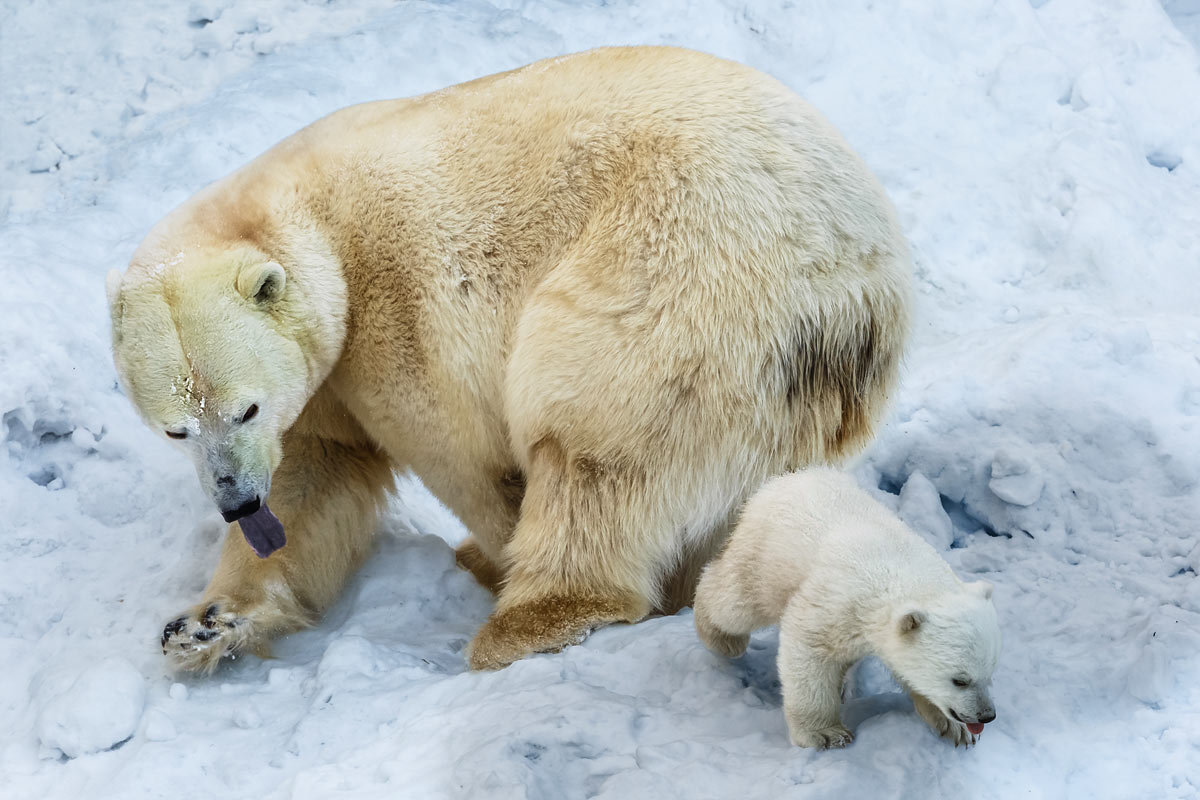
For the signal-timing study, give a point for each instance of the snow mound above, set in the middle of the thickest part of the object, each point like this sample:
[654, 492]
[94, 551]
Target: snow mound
[100, 710]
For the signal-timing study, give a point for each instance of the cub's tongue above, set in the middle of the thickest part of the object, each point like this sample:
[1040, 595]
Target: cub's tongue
[975, 728]
[264, 532]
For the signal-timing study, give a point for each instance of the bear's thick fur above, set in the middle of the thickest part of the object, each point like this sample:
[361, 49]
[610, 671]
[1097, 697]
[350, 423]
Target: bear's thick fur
[845, 579]
[592, 303]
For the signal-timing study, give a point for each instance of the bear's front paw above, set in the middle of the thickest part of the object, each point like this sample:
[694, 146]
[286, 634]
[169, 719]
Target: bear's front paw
[822, 739]
[199, 639]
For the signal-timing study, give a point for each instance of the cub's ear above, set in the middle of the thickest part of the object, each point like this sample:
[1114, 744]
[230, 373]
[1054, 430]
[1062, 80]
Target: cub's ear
[112, 288]
[262, 282]
[910, 620]
[981, 588]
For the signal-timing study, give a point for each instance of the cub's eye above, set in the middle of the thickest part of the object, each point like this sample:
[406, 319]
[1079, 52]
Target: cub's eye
[249, 413]
[960, 683]
[177, 434]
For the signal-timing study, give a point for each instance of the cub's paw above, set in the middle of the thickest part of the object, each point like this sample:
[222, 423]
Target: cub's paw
[722, 643]
[949, 729]
[958, 733]
[823, 739]
[199, 639]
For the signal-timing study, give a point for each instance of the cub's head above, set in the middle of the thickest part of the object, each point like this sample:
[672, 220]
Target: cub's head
[219, 349]
[946, 650]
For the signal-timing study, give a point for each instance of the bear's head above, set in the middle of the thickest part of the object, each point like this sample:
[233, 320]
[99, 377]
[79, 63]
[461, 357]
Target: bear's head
[220, 348]
[946, 649]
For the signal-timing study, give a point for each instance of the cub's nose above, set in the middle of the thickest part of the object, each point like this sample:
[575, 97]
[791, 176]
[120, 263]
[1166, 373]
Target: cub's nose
[987, 716]
[244, 510]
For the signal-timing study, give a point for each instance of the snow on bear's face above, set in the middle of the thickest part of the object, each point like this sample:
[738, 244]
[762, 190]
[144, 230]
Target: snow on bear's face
[947, 651]
[211, 349]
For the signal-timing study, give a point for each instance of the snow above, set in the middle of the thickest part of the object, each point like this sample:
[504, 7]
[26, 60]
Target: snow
[920, 507]
[1043, 158]
[99, 710]
[1014, 479]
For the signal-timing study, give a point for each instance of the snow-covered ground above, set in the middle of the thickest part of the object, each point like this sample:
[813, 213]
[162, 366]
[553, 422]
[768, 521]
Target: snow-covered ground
[1045, 160]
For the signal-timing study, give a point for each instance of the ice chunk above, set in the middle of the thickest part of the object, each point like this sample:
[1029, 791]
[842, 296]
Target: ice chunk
[1148, 680]
[1015, 479]
[921, 509]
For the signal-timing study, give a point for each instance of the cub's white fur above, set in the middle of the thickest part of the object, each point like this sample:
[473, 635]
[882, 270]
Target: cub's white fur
[845, 579]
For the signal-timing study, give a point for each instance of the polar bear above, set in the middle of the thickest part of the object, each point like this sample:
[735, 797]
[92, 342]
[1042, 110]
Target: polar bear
[591, 303]
[845, 579]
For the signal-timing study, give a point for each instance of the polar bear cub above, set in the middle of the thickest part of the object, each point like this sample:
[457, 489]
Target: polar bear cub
[845, 579]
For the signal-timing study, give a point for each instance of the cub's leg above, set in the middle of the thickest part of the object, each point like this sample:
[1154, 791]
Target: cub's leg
[725, 611]
[812, 681]
[327, 495]
[584, 554]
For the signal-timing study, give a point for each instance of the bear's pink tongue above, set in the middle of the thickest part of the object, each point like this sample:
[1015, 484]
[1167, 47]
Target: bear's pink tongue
[975, 728]
[263, 531]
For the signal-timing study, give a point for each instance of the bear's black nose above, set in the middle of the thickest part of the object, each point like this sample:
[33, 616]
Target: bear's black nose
[987, 716]
[244, 510]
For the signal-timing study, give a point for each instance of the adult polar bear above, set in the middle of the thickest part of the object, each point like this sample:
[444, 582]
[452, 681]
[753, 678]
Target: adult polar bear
[592, 303]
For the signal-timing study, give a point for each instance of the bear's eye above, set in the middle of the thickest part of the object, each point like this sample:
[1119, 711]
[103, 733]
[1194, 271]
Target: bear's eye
[961, 683]
[249, 413]
[177, 434]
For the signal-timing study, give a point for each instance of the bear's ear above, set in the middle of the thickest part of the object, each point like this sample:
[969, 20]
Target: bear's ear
[112, 288]
[911, 620]
[261, 282]
[981, 588]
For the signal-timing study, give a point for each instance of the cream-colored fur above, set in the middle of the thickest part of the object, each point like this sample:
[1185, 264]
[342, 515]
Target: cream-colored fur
[845, 579]
[592, 303]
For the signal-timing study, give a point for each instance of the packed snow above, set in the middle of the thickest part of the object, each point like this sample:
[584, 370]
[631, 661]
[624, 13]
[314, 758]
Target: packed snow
[99, 710]
[1043, 156]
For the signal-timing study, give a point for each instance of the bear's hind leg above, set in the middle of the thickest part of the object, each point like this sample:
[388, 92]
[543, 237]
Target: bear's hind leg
[584, 554]
[679, 585]
[327, 496]
[470, 556]
[489, 507]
